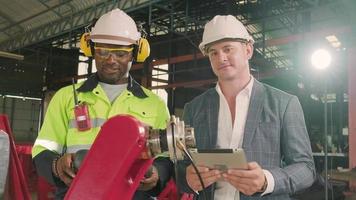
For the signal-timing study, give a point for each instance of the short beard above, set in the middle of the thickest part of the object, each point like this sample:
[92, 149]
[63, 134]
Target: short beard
[121, 78]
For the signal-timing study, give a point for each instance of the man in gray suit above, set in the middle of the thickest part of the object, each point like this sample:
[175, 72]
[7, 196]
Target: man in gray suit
[241, 112]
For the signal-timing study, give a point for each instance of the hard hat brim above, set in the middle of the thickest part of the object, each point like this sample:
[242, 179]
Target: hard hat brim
[111, 39]
[202, 45]
[115, 42]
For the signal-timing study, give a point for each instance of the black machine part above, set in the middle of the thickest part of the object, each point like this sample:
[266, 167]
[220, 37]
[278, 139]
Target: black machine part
[78, 159]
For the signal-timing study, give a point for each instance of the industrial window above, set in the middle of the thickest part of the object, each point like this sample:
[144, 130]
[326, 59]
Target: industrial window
[83, 67]
[160, 78]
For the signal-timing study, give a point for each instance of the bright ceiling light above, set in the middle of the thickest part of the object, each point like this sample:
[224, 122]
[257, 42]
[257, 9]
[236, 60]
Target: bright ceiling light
[336, 44]
[321, 59]
[332, 38]
[334, 41]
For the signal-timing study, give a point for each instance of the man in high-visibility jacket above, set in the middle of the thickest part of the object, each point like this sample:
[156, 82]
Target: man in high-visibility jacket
[114, 42]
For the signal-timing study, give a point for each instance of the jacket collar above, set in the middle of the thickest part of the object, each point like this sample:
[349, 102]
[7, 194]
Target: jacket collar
[132, 86]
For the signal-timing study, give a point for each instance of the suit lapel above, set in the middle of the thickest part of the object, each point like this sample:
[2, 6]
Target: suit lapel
[213, 113]
[213, 103]
[254, 113]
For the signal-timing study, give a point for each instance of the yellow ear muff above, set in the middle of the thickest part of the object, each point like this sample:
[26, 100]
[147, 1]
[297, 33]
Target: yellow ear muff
[85, 45]
[143, 50]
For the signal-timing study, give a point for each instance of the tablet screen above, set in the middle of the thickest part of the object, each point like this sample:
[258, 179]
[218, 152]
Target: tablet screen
[221, 159]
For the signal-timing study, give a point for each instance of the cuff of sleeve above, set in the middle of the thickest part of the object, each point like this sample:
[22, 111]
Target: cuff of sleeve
[270, 182]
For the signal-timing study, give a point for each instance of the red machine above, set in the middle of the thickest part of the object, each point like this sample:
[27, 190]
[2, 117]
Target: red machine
[16, 186]
[129, 147]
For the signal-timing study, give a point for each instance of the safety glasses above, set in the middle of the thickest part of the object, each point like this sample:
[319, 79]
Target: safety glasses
[105, 52]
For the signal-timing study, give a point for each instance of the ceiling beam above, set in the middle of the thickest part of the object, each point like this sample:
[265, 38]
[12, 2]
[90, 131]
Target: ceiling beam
[70, 23]
[308, 35]
[7, 18]
[48, 7]
[33, 16]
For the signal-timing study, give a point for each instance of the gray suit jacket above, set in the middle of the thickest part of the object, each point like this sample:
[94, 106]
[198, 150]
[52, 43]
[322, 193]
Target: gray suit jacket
[275, 137]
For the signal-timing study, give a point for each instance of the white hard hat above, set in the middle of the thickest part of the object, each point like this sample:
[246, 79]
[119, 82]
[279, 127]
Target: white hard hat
[115, 27]
[223, 27]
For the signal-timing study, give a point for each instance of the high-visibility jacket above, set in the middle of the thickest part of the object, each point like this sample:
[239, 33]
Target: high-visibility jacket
[59, 133]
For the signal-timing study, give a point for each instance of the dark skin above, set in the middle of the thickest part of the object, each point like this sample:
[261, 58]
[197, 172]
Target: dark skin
[64, 169]
[66, 173]
[111, 69]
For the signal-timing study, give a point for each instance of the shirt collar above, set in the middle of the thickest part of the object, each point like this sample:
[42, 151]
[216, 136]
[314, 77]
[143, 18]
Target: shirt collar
[246, 90]
[132, 86]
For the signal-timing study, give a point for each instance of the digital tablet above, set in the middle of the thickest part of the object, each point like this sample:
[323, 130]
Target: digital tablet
[221, 159]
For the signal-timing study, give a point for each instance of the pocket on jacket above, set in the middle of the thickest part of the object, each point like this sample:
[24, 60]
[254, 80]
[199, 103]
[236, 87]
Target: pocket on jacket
[145, 114]
[268, 136]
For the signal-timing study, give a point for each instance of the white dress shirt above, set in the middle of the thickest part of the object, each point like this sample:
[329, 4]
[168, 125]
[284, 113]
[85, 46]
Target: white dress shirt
[230, 136]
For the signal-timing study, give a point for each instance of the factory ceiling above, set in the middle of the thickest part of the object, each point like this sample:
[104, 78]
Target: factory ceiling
[284, 30]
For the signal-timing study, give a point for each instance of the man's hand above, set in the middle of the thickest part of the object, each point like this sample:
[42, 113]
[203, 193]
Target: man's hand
[247, 181]
[64, 168]
[208, 176]
[149, 182]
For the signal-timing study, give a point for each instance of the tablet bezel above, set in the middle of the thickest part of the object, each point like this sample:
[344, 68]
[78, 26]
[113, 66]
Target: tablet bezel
[221, 159]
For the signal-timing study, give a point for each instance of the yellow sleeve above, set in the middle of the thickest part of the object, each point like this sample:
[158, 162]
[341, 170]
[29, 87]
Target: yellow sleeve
[52, 135]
